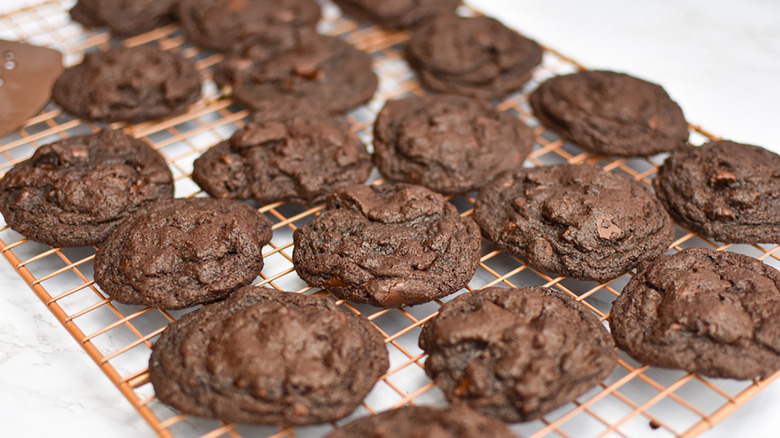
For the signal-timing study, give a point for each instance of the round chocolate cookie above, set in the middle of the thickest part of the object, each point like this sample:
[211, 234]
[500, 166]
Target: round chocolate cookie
[724, 190]
[298, 159]
[424, 421]
[227, 24]
[477, 57]
[178, 253]
[125, 17]
[268, 357]
[575, 220]
[388, 246]
[398, 14]
[516, 354]
[611, 113]
[76, 191]
[714, 313]
[323, 72]
[450, 144]
[128, 84]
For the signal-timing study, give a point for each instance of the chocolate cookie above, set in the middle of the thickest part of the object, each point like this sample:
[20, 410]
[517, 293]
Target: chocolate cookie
[268, 357]
[76, 191]
[725, 190]
[178, 253]
[610, 113]
[388, 246]
[477, 57]
[424, 421]
[516, 354]
[125, 17]
[128, 84]
[324, 72]
[226, 24]
[715, 313]
[575, 220]
[298, 159]
[398, 14]
[450, 144]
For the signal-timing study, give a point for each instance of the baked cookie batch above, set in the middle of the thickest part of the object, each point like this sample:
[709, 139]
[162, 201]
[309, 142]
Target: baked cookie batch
[499, 355]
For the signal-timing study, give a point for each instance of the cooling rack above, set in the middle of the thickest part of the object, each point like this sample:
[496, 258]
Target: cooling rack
[633, 401]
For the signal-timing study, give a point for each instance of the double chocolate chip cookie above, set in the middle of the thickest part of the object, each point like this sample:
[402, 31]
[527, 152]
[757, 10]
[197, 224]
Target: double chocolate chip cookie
[128, 84]
[575, 220]
[399, 14]
[725, 190]
[424, 421]
[125, 17]
[227, 24]
[450, 144]
[710, 312]
[178, 253]
[477, 57]
[298, 159]
[268, 357]
[611, 113]
[388, 246]
[325, 72]
[76, 191]
[516, 354]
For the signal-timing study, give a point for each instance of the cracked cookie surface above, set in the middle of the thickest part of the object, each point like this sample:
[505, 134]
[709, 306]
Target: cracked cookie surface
[477, 57]
[450, 144]
[725, 190]
[268, 357]
[610, 113]
[297, 159]
[131, 84]
[715, 313]
[324, 72]
[178, 253]
[575, 220]
[516, 354]
[388, 246]
[75, 192]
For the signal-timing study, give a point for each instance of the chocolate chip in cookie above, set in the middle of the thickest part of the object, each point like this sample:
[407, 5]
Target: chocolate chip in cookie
[268, 357]
[76, 191]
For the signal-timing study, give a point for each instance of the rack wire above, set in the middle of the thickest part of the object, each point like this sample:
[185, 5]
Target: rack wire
[634, 400]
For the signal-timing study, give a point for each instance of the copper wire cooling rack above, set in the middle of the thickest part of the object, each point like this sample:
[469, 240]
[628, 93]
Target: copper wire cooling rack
[633, 401]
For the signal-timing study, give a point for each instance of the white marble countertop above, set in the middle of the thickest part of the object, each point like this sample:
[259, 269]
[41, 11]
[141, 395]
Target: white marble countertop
[719, 59]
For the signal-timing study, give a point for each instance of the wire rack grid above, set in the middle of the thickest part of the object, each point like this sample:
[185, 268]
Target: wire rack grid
[633, 401]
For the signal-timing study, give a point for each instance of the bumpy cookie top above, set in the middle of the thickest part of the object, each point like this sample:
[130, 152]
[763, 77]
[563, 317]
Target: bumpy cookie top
[125, 17]
[611, 113]
[710, 312]
[76, 191]
[450, 144]
[178, 253]
[268, 357]
[128, 84]
[388, 246]
[424, 421]
[325, 72]
[516, 354]
[398, 13]
[715, 313]
[477, 57]
[726, 190]
[297, 159]
[576, 220]
[228, 24]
